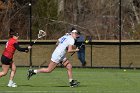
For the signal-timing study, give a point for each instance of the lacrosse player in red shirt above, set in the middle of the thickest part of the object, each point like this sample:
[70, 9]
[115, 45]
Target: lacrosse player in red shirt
[7, 56]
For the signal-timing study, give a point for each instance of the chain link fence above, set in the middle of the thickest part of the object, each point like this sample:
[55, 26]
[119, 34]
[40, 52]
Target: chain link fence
[99, 19]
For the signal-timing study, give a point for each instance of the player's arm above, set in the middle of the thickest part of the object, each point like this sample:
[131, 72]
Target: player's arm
[16, 45]
[71, 49]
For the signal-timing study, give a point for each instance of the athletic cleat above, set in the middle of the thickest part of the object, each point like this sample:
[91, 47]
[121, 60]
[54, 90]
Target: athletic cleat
[74, 83]
[30, 73]
[12, 85]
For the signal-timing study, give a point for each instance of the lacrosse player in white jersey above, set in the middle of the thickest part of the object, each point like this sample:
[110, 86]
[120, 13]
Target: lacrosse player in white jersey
[64, 44]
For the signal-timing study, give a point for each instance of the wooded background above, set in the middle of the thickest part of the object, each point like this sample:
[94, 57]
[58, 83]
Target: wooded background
[96, 18]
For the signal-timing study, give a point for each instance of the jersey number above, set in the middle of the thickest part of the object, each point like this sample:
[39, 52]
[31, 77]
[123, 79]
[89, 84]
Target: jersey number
[62, 40]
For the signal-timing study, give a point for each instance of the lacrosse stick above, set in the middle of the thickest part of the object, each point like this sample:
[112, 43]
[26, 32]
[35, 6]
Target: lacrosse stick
[42, 64]
[40, 35]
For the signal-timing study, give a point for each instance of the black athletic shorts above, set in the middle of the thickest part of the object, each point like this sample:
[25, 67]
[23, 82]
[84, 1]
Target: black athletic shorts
[5, 60]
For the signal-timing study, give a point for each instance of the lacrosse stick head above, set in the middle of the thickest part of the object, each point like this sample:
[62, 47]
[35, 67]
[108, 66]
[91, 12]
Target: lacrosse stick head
[41, 34]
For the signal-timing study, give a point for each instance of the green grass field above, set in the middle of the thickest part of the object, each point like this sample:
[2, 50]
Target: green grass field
[92, 81]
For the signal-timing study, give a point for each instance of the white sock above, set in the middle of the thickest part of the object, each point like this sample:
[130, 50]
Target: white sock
[10, 81]
[70, 80]
[35, 71]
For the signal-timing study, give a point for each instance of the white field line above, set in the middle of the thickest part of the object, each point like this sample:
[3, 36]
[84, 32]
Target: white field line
[44, 92]
[62, 91]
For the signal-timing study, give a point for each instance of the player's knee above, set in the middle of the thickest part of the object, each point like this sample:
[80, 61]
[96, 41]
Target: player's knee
[3, 74]
[69, 66]
[49, 71]
[14, 70]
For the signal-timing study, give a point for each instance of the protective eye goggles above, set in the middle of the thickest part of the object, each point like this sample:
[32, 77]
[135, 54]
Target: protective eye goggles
[15, 34]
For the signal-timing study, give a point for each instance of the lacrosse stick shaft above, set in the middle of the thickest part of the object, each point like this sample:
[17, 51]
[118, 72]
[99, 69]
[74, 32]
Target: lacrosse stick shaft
[42, 64]
[79, 49]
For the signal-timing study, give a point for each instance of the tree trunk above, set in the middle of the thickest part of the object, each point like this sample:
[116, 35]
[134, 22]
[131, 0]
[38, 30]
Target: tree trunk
[60, 7]
[136, 14]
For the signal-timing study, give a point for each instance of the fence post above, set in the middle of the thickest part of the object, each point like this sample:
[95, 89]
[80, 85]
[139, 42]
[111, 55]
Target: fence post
[30, 23]
[120, 34]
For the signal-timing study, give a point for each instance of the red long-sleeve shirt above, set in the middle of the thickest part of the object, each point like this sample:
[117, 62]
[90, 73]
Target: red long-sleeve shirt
[10, 49]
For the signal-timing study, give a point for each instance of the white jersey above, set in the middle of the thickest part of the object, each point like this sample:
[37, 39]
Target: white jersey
[60, 51]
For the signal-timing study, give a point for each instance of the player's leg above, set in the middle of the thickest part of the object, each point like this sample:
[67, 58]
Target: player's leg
[68, 66]
[79, 54]
[49, 69]
[12, 74]
[55, 59]
[5, 69]
[52, 65]
[83, 57]
[5, 65]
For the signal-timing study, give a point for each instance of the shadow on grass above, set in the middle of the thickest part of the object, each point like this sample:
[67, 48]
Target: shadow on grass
[25, 85]
[21, 86]
[28, 85]
[69, 86]
[60, 86]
